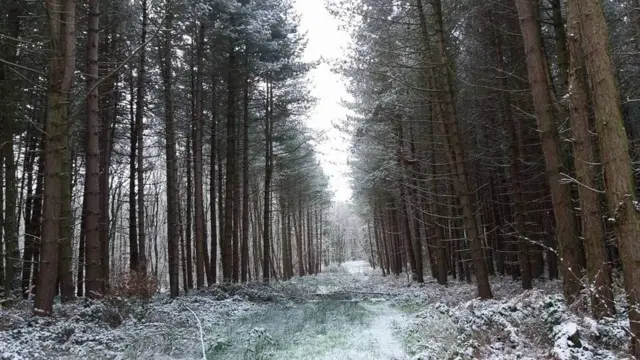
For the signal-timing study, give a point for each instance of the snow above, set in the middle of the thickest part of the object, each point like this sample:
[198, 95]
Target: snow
[388, 318]
[357, 267]
[348, 312]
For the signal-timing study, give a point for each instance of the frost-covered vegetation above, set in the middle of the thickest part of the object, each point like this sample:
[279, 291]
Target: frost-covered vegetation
[347, 312]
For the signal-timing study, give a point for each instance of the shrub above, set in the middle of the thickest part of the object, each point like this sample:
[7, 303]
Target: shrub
[134, 285]
[126, 298]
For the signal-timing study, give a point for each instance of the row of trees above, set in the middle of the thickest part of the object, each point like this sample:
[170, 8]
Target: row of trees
[155, 138]
[496, 138]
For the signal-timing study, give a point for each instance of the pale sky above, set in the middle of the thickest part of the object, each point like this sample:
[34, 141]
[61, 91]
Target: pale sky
[326, 41]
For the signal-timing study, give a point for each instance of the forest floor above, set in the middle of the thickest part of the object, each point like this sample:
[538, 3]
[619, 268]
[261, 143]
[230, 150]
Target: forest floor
[349, 312]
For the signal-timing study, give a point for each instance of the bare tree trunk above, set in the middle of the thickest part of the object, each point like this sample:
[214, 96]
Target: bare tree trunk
[183, 249]
[29, 240]
[227, 243]
[244, 254]
[598, 268]
[107, 129]
[65, 273]
[310, 264]
[213, 258]
[570, 246]
[36, 218]
[172, 188]
[61, 21]
[197, 154]
[455, 151]
[299, 238]
[434, 208]
[376, 235]
[140, 94]
[614, 150]
[266, 241]
[188, 227]
[133, 155]
[237, 201]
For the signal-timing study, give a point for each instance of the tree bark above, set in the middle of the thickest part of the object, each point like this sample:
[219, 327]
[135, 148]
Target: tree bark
[29, 240]
[268, 158]
[133, 221]
[213, 258]
[65, 272]
[36, 218]
[61, 22]
[107, 129]
[598, 268]
[170, 148]
[140, 95]
[197, 162]
[188, 224]
[449, 128]
[614, 150]
[569, 244]
[244, 253]
[227, 243]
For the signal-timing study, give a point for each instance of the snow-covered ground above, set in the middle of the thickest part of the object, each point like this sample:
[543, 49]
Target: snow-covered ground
[347, 312]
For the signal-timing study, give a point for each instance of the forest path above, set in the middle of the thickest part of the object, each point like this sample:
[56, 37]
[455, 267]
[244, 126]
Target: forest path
[338, 323]
[381, 331]
[348, 312]
[386, 321]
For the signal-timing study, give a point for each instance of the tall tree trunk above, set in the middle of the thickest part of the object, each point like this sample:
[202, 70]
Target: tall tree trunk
[133, 155]
[140, 99]
[455, 151]
[614, 150]
[244, 253]
[197, 157]
[434, 208]
[415, 256]
[570, 246]
[36, 218]
[188, 227]
[82, 251]
[310, 265]
[299, 238]
[172, 188]
[213, 258]
[107, 129]
[29, 240]
[61, 22]
[65, 272]
[227, 243]
[376, 235]
[186, 285]
[221, 196]
[236, 208]
[268, 158]
[598, 268]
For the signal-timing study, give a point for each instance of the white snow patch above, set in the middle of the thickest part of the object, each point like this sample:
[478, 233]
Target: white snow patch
[381, 330]
[359, 267]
